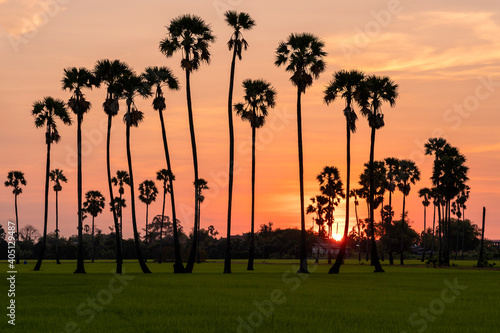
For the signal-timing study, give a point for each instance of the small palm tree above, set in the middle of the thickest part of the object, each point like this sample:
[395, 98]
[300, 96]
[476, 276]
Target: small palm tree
[239, 22]
[122, 178]
[425, 194]
[192, 36]
[110, 73]
[57, 177]
[158, 77]
[303, 56]
[147, 194]
[46, 112]
[319, 206]
[259, 98]
[134, 86]
[15, 179]
[408, 174]
[346, 85]
[200, 185]
[356, 194]
[392, 171]
[94, 204]
[167, 178]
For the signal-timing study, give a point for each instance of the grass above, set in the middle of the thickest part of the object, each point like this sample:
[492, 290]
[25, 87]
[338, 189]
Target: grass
[55, 300]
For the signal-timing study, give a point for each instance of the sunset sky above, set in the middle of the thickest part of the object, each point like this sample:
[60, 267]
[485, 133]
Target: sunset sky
[445, 57]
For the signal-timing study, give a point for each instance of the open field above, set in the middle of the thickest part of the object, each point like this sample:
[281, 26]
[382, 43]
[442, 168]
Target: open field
[273, 298]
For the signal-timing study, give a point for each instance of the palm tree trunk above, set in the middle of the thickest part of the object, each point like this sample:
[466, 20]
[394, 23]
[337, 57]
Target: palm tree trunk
[57, 228]
[48, 140]
[401, 258]
[335, 269]
[178, 266]
[227, 259]
[391, 258]
[458, 236]
[198, 259]
[192, 253]
[382, 231]
[79, 254]
[146, 234]
[463, 232]
[143, 265]
[303, 248]
[433, 232]
[17, 229]
[93, 243]
[425, 233]
[440, 236]
[375, 260]
[161, 228]
[359, 232]
[118, 238]
[480, 262]
[251, 253]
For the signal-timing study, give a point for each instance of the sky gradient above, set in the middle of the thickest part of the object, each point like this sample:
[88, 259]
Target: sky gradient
[444, 55]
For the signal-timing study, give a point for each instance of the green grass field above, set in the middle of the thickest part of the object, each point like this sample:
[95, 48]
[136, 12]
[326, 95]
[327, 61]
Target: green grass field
[273, 298]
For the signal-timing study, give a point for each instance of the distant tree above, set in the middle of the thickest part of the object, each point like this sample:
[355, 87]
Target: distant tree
[29, 234]
[167, 177]
[15, 179]
[200, 185]
[94, 204]
[57, 177]
[46, 112]
[147, 194]
[425, 194]
[303, 56]
[392, 165]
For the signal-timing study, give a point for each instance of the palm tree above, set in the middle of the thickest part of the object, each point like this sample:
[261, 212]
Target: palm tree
[346, 85]
[237, 21]
[133, 86]
[158, 77]
[464, 196]
[378, 90]
[15, 179]
[122, 178]
[192, 36]
[319, 205]
[259, 98]
[46, 112]
[303, 56]
[408, 174]
[148, 193]
[392, 171]
[74, 80]
[110, 73]
[356, 193]
[94, 204]
[167, 177]
[199, 185]
[425, 194]
[57, 177]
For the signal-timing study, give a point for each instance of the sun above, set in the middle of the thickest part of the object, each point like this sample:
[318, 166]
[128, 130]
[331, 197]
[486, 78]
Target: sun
[337, 237]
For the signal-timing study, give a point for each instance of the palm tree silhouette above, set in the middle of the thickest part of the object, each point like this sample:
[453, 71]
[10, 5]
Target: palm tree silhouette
[158, 77]
[237, 21]
[303, 56]
[408, 174]
[200, 185]
[356, 193]
[319, 206]
[74, 80]
[109, 73]
[167, 177]
[392, 164]
[192, 36]
[378, 90]
[57, 177]
[148, 193]
[122, 178]
[133, 86]
[425, 194]
[346, 85]
[463, 197]
[259, 98]
[15, 179]
[46, 111]
[94, 204]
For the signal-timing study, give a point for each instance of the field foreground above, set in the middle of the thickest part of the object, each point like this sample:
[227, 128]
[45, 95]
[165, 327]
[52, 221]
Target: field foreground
[273, 298]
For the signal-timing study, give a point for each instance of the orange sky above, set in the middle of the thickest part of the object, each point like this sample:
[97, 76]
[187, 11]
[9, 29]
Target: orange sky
[444, 55]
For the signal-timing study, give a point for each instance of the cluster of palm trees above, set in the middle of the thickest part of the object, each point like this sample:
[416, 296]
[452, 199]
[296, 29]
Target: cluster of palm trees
[302, 55]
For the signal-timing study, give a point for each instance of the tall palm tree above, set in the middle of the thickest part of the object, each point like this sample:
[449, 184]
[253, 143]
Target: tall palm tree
[167, 177]
[46, 112]
[57, 177]
[199, 185]
[159, 77]
[74, 80]
[192, 36]
[237, 21]
[15, 179]
[259, 98]
[303, 56]
[408, 174]
[346, 85]
[109, 73]
[378, 90]
[147, 194]
[425, 194]
[94, 204]
[134, 86]
[392, 164]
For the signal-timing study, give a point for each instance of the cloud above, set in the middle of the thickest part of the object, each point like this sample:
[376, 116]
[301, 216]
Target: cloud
[494, 147]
